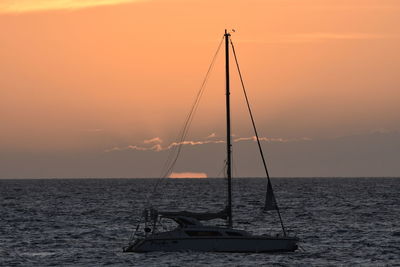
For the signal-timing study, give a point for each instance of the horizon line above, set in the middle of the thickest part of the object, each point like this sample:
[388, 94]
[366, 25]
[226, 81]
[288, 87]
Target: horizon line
[251, 177]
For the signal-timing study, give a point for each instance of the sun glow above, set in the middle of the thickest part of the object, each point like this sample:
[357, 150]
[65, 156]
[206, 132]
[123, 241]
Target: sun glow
[20, 6]
[188, 175]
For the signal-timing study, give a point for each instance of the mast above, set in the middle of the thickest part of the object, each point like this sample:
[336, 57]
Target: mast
[228, 131]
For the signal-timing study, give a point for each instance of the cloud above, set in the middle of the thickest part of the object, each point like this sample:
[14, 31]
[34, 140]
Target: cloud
[155, 140]
[322, 37]
[381, 131]
[211, 135]
[244, 139]
[195, 143]
[130, 147]
[357, 7]
[267, 139]
[158, 147]
[21, 6]
[368, 154]
[188, 175]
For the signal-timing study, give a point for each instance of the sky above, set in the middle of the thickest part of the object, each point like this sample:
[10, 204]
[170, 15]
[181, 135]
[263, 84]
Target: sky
[101, 88]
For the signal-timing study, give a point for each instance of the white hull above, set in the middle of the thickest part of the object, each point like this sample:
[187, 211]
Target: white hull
[216, 244]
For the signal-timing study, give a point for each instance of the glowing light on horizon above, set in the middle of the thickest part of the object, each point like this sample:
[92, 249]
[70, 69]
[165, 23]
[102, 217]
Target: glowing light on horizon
[188, 175]
[21, 6]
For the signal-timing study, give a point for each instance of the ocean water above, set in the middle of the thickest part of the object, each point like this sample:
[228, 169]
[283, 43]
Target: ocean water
[86, 222]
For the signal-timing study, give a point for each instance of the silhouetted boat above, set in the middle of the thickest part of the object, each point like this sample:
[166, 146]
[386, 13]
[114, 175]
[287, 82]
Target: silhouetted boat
[191, 235]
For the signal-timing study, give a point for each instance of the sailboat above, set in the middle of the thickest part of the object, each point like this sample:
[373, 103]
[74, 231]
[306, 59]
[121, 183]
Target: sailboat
[191, 234]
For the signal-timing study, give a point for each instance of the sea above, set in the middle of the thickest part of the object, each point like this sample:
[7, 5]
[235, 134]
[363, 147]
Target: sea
[87, 222]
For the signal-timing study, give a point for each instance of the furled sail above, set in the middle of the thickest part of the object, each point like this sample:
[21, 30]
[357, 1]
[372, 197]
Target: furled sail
[270, 202]
[201, 216]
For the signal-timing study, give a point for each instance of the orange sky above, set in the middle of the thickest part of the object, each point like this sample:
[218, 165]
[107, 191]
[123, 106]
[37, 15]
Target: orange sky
[78, 75]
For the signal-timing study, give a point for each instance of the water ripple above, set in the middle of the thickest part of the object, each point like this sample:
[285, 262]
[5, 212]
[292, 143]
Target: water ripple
[87, 222]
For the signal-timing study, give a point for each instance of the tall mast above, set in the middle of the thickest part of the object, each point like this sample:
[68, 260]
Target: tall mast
[228, 131]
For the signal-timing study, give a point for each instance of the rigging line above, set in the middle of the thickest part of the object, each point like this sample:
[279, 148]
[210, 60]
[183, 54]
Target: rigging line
[176, 149]
[192, 112]
[256, 133]
[190, 116]
[222, 170]
[233, 165]
[182, 134]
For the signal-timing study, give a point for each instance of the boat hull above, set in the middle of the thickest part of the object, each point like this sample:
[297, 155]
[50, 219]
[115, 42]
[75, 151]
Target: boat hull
[213, 244]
